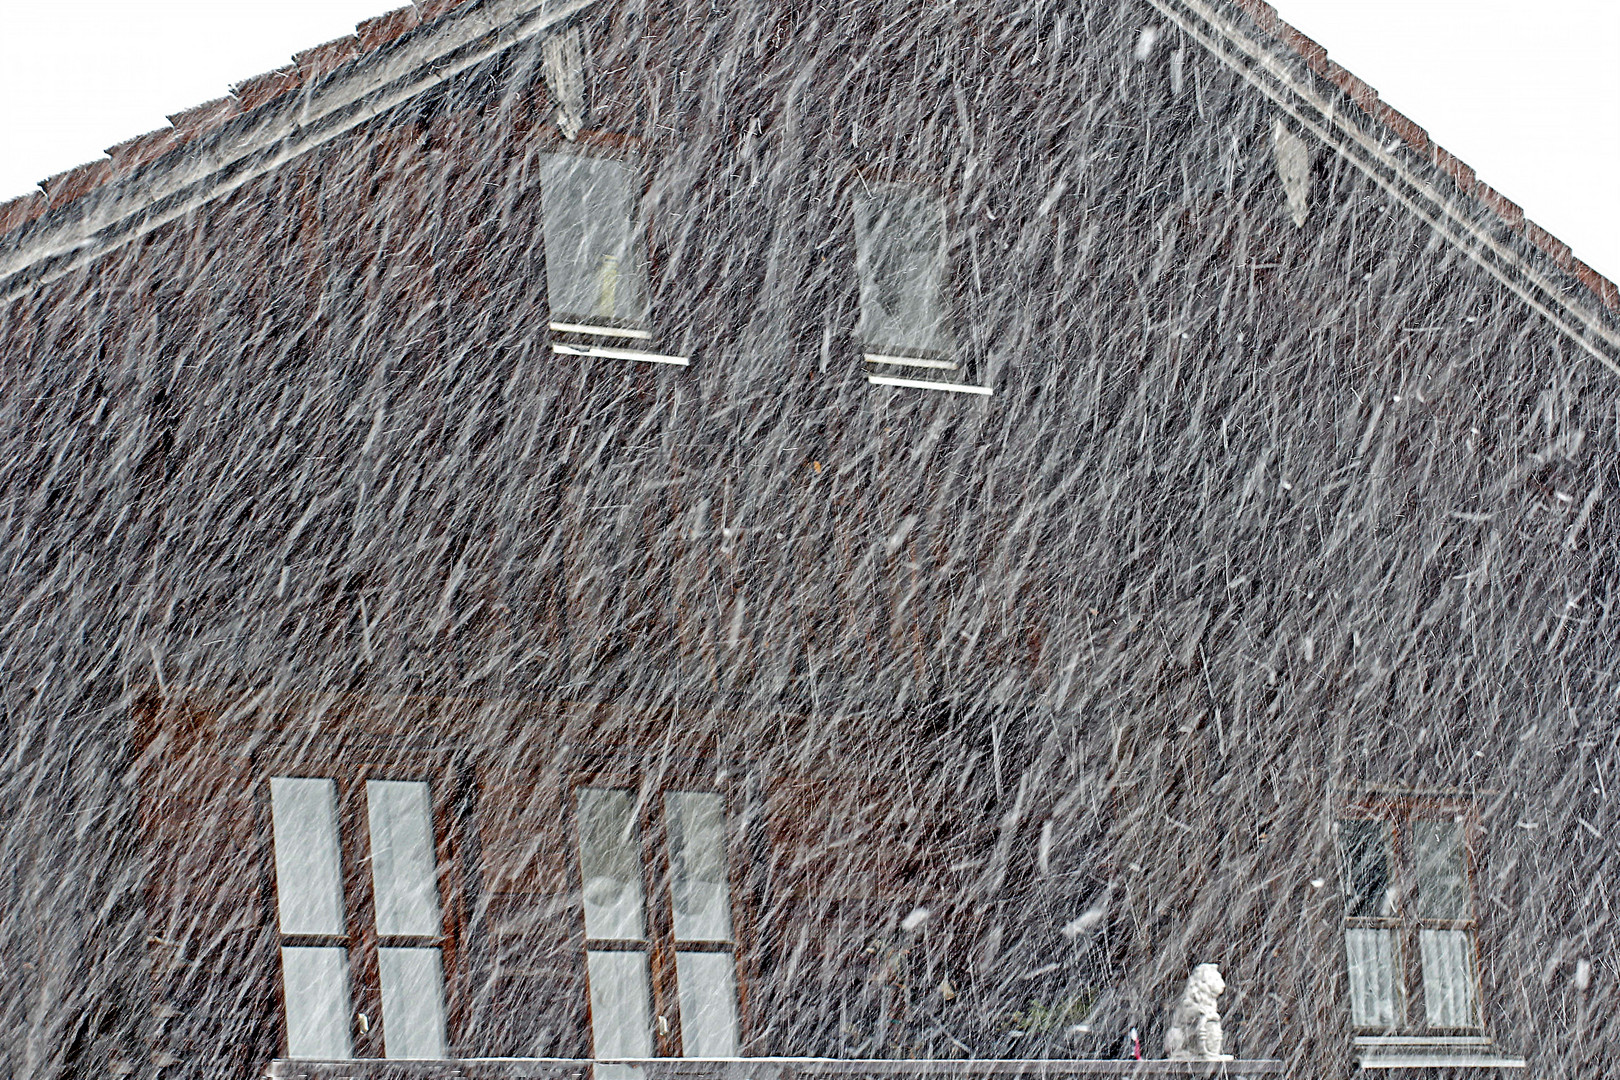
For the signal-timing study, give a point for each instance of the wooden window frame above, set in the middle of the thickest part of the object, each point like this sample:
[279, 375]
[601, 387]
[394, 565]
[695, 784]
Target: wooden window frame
[661, 944]
[360, 941]
[1400, 812]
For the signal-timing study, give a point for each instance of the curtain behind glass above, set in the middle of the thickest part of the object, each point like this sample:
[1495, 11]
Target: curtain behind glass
[1371, 955]
[900, 259]
[699, 886]
[1442, 878]
[412, 1002]
[595, 268]
[1448, 978]
[621, 1019]
[403, 864]
[708, 995]
[309, 879]
[610, 865]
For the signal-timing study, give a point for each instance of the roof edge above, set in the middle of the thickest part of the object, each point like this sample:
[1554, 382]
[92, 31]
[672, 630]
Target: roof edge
[1347, 115]
[269, 119]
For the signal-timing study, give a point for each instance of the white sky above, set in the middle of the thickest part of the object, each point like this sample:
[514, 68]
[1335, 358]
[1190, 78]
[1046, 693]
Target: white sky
[1525, 91]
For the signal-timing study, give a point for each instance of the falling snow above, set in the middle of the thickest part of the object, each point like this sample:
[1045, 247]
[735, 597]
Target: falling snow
[1025, 703]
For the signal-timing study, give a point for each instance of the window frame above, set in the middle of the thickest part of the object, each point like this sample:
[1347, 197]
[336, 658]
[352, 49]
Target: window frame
[949, 299]
[569, 335]
[1400, 813]
[657, 880]
[360, 941]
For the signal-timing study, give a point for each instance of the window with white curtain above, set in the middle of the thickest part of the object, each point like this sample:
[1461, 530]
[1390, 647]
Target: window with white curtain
[642, 1004]
[326, 942]
[1410, 935]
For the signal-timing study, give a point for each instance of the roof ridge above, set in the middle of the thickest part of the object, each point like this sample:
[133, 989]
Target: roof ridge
[1416, 138]
[311, 65]
[189, 125]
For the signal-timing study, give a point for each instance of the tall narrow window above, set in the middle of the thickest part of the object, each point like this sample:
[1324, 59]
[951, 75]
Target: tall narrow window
[309, 901]
[405, 884]
[630, 943]
[1409, 934]
[695, 823]
[1446, 933]
[900, 258]
[615, 924]
[1371, 943]
[326, 943]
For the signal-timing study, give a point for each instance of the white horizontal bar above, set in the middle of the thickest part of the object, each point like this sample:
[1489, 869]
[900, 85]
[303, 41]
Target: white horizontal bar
[909, 361]
[616, 354]
[919, 384]
[1440, 1061]
[601, 331]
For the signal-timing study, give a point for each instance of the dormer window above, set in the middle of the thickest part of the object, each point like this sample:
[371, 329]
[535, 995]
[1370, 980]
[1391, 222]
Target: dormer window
[596, 258]
[902, 261]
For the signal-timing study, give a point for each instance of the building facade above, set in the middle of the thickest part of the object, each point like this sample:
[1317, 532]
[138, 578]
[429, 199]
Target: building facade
[872, 537]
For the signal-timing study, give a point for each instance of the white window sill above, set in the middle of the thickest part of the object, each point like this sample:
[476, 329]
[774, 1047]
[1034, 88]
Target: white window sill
[564, 349]
[922, 384]
[601, 331]
[909, 361]
[1432, 1052]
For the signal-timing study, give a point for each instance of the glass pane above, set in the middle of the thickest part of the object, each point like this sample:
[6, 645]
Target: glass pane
[697, 858]
[900, 259]
[610, 865]
[594, 265]
[1448, 977]
[309, 881]
[1369, 890]
[620, 1014]
[708, 1004]
[1442, 881]
[315, 985]
[403, 868]
[1371, 955]
[412, 1002]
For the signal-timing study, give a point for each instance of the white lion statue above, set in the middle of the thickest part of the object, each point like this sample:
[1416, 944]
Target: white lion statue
[1194, 1031]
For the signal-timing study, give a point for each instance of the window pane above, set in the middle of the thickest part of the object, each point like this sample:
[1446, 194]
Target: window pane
[309, 881]
[708, 1004]
[1448, 977]
[1442, 881]
[594, 264]
[697, 857]
[610, 865]
[315, 985]
[412, 1002]
[1371, 955]
[403, 868]
[620, 1015]
[900, 259]
[1368, 888]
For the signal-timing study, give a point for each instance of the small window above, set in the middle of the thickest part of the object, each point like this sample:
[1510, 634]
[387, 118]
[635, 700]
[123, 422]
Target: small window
[595, 267]
[900, 258]
[1410, 938]
[325, 941]
[596, 260]
[642, 1005]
